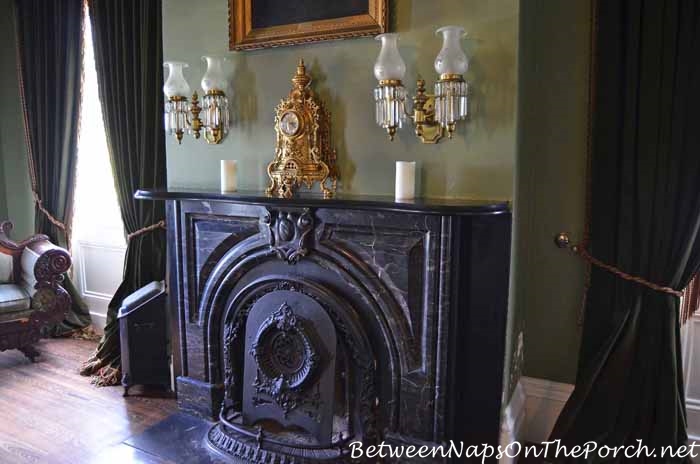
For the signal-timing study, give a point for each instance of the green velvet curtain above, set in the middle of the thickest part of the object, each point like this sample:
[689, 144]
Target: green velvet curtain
[127, 38]
[50, 46]
[645, 219]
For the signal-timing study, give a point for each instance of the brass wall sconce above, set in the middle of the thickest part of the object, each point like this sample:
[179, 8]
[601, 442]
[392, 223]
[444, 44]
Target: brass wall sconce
[181, 115]
[433, 115]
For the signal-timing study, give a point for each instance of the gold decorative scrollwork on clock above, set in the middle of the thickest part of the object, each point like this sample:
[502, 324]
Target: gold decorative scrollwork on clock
[303, 153]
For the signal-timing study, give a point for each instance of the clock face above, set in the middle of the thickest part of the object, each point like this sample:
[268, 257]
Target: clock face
[289, 123]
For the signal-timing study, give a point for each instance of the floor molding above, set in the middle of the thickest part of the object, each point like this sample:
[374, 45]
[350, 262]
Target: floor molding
[513, 420]
[533, 409]
[544, 401]
[99, 321]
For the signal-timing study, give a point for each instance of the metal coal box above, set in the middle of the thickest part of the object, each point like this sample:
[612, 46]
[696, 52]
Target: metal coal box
[144, 338]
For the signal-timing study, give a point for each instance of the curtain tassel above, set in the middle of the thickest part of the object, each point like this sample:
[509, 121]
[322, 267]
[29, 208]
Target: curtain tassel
[107, 377]
[691, 299]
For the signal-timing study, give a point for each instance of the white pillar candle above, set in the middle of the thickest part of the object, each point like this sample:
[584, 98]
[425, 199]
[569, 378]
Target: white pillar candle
[405, 180]
[229, 171]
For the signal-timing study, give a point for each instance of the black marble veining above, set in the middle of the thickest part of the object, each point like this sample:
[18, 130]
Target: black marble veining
[416, 292]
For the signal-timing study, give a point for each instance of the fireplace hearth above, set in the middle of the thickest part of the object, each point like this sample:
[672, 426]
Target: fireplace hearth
[304, 325]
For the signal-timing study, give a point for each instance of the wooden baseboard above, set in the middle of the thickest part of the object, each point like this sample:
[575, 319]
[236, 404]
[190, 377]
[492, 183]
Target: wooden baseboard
[99, 321]
[533, 410]
[513, 420]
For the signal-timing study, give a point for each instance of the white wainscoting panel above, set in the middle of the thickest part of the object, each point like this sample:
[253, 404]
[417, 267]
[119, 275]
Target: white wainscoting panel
[99, 269]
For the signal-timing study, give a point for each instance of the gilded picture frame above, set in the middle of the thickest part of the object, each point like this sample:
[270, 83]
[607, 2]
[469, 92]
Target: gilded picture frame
[254, 26]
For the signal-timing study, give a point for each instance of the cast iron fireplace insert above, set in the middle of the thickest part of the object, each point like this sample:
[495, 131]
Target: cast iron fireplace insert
[303, 325]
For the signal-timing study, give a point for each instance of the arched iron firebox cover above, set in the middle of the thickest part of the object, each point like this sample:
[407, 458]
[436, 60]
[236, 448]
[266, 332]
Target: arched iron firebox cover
[290, 346]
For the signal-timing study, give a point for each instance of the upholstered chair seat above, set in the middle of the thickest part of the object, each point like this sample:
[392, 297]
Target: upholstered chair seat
[14, 301]
[31, 295]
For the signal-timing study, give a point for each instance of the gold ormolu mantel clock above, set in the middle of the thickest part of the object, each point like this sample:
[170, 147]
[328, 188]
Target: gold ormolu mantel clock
[303, 153]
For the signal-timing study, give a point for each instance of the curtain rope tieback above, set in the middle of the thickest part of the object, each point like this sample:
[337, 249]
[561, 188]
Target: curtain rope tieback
[562, 241]
[48, 215]
[143, 230]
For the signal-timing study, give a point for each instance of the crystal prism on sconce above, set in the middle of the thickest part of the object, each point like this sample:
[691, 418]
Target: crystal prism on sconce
[176, 90]
[433, 114]
[181, 115]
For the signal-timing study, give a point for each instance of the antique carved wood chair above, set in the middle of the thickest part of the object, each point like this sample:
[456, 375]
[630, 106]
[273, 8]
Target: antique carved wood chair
[31, 295]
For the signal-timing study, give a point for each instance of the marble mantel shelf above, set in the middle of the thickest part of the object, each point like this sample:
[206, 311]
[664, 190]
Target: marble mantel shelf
[451, 207]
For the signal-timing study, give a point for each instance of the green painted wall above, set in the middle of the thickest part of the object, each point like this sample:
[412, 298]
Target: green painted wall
[478, 163]
[550, 182]
[3, 192]
[529, 72]
[14, 175]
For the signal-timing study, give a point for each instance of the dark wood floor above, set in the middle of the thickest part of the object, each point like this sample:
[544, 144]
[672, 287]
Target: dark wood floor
[50, 414]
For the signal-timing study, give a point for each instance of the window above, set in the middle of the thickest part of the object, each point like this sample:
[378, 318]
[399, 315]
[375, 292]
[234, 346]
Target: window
[98, 232]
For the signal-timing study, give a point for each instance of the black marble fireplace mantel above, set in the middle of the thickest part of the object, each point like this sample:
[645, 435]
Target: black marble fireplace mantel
[457, 207]
[304, 324]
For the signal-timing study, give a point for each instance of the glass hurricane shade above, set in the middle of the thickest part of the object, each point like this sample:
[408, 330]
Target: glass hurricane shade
[215, 77]
[389, 64]
[215, 113]
[176, 85]
[451, 92]
[389, 99]
[451, 59]
[177, 90]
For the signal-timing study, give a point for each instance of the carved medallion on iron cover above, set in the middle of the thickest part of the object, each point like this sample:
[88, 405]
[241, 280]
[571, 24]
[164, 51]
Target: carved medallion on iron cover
[289, 368]
[286, 358]
[290, 233]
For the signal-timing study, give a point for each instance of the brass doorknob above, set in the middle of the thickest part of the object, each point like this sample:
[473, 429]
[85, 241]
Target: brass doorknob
[562, 240]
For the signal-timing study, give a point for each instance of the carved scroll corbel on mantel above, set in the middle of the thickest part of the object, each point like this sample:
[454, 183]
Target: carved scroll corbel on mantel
[289, 232]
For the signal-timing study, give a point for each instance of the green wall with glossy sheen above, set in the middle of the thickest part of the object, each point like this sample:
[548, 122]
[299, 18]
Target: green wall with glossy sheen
[15, 189]
[550, 182]
[479, 162]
